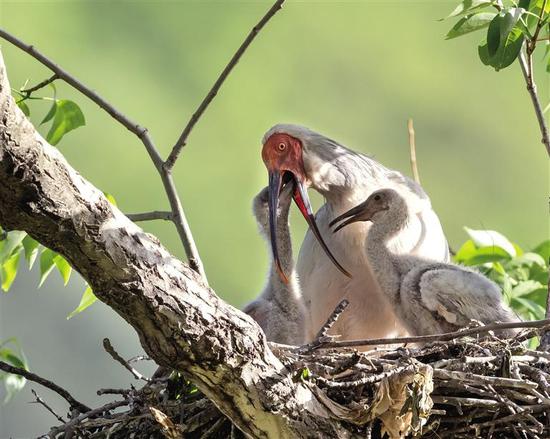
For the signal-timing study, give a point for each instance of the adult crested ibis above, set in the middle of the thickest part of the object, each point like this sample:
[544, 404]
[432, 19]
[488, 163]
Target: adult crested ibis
[429, 297]
[344, 178]
[279, 310]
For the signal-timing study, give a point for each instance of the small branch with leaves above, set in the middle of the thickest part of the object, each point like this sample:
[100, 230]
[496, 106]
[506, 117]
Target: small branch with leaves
[164, 168]
[513, 32]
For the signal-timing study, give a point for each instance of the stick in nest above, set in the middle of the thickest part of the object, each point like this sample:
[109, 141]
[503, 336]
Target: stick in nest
[322, 336]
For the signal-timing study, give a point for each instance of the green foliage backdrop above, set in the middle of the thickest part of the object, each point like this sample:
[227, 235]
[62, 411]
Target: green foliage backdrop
[352, 70]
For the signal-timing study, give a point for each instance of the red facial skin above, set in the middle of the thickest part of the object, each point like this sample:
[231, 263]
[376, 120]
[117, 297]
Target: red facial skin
[282, 152]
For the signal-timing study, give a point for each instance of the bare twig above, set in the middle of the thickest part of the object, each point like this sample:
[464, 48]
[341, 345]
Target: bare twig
[39, 400]
[412, 148]
[108, 391]
[178, 218]
[148, 216]
[182, 140]
[116, 356]
[340, 308]
[526, 63]
[89, 413]
[368, 379]
[539, 324]
[28, 91]
[46, 383]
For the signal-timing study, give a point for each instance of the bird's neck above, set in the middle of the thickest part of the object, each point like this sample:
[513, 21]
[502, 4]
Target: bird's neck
[284, 247]
[342, 175]
[383, 261]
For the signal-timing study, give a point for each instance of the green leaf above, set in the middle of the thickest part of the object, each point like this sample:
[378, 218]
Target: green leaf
[8, 356]
[537, 310]
[526, 287]
[484, 255]
[490, 238]
[50, 114]
[63, 267]
[500, 28]
[470, 23]
[11, 244]
[524, 4]
[465, 252]
[110, 198]
[68, 117]
[88, 298]
[46, 264]
[543, 249]
[467, 6]
[53, 108]
[13, 384]
[305, 375]
[31, 250]
[529, 259]
[8, 271]
[24, 107]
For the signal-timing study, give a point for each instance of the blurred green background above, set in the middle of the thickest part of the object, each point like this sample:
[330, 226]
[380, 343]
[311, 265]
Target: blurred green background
[354, 71]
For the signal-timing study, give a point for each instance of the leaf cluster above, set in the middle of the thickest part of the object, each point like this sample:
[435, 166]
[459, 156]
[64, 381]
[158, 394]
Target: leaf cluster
[522, 275]
[11, 353]
[509, 27]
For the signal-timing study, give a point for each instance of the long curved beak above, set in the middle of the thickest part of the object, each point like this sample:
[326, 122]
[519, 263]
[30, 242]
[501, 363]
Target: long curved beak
[274, 190]
[357, 213]
[302, 201]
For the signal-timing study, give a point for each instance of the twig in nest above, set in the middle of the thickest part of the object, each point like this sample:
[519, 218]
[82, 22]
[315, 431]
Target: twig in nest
[332, 319]
[111, 351]
[322, 336]
[39, 400]
[369, 379]
[538, 324]
[46, 383]
[124, 392]
[91, 413]
[412, 147]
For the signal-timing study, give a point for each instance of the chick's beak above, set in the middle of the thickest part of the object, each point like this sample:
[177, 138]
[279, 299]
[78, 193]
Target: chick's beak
[274, 190]
[361, 212]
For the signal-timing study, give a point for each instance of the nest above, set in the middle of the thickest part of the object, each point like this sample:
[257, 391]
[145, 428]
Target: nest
[462, 388]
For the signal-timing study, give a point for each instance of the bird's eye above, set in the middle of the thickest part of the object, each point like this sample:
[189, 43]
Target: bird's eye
[281, 146]
[377, 197]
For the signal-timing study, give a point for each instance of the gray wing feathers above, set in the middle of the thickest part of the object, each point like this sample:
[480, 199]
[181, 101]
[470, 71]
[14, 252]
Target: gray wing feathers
[459, 295]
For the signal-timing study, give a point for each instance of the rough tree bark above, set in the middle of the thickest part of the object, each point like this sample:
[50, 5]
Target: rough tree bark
[180, 321]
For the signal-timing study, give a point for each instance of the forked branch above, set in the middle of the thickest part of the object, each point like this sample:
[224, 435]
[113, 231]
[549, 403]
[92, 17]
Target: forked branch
[182, 140]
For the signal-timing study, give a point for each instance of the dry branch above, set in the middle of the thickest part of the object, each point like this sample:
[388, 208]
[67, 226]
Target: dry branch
[46, 383]
[178, 216]
[182, 140]
[180, 321]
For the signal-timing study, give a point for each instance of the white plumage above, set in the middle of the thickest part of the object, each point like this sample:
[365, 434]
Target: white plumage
[345, 178]
[428, 296]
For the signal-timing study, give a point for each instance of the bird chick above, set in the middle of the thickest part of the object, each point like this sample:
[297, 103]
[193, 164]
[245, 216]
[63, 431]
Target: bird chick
[279, 309]
[430, 297]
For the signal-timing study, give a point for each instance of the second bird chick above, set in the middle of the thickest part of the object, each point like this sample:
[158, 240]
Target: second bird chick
[429, 297]
[279, 310]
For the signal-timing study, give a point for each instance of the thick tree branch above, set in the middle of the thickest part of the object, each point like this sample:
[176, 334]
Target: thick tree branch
[180, 321]
[182, 140]
[178, 216]
[46, 383]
